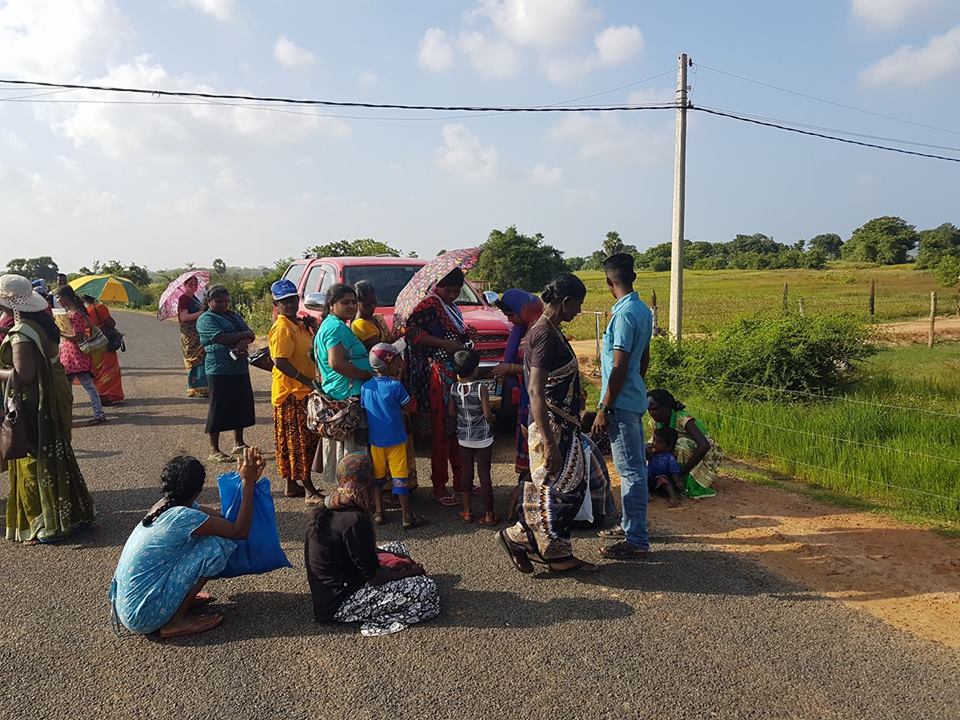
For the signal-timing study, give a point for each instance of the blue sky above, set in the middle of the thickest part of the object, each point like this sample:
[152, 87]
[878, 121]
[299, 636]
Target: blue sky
[162, 185]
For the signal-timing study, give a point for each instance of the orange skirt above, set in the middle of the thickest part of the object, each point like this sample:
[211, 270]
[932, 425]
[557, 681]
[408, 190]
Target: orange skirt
[106, 376]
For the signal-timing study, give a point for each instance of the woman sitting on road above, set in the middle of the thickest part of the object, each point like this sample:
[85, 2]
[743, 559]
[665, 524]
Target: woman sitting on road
[522, 309]
[344, 367]
[48, 496]
[226, 337]
[351, 579]
[106, 366]
[698, 455]
[79, 366]
[176, 548]
[289, 341]
[189, 310]
[558, 463]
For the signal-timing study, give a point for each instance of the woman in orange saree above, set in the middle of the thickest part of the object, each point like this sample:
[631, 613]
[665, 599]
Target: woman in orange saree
[106, 365]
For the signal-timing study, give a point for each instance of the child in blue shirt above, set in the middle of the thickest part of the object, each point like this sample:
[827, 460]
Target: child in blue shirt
[386, 402]
[663, 470]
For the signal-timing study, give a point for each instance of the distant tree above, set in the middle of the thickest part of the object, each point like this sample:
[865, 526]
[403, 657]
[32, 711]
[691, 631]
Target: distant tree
[595, 260]
[613, 244]
[111, 267]
[362, 247]
[412, 254]
[656, 258]
[512, 260]
[885, 240]
[575, 263]
[32, 268]
[268, 276]
[137, 275]
[814, 259]
[219, 268]
[948, 270]
[84, 270]
[827, 243]
[938, 243]
[440, 252]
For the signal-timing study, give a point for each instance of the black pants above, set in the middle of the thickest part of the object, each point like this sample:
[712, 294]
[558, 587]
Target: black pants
[482, 458]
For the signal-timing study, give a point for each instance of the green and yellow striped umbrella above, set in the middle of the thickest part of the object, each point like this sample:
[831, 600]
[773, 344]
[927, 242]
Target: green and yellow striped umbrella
[108, 288]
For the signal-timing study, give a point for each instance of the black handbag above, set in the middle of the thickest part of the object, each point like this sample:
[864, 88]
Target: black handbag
[13, 428]
[114, 337]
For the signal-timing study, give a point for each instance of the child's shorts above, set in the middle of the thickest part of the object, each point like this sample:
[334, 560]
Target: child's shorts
[392, 460]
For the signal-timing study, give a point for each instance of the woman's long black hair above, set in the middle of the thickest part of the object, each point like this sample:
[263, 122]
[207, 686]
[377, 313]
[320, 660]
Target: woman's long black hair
[335, 294]
[46, 323]
[665, 399]
[562, 287]
[181, 481]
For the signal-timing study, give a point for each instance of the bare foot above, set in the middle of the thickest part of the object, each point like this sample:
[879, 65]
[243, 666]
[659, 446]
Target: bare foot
[202, 598]
[293, 489]
[190, 625]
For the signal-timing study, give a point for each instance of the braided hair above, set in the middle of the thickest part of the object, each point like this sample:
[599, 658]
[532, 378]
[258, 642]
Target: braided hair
[665, 399]
[181, 481]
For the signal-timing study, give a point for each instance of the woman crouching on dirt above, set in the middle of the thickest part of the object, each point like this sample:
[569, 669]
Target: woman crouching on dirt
[698, 455]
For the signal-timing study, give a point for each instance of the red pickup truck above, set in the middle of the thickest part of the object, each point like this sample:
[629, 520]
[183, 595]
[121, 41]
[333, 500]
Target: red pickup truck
[389, 276]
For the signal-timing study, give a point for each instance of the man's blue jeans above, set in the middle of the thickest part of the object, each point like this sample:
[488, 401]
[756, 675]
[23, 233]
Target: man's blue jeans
[630, 459]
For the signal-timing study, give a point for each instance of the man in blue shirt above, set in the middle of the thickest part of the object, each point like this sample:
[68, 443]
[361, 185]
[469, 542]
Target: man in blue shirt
[623, 362]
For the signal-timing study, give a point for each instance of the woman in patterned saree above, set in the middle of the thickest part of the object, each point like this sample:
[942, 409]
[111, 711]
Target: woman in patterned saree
[189, 309]
[435, 331]
[48, 496]
[558, 465]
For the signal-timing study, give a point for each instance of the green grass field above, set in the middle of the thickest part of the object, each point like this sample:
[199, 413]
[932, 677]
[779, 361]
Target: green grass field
[713, 297]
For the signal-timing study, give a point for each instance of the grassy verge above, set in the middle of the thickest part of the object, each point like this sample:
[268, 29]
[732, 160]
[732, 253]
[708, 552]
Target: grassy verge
[714, 297]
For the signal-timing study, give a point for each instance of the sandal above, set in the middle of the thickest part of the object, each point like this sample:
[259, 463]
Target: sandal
[490, 519]
[220, 457]
[198, 624]
[467, 517]
[623, 551]
[238, 450]
[581, 565]
[517, 554]
[449, 500]
[313, 500]
[99, 420]
[379, 519]
[415, 521]
[614, 532]
[202, 598]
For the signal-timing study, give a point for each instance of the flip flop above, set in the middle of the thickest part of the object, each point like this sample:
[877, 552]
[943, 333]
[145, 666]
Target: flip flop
[516, 554]
[199, 624]
[220, 457]
[313, 500]
[448, 500]
[414, 522]
[466, 517]
[614, 532]
[580, 565]
[202, 598]
[623, 551]
[379, 519]
[238, 450]
[490, 523]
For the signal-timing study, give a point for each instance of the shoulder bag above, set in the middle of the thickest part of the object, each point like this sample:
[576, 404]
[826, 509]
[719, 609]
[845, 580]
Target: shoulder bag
[114, 337]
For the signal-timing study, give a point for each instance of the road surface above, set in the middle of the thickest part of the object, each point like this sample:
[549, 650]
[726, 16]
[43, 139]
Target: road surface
[692, 633]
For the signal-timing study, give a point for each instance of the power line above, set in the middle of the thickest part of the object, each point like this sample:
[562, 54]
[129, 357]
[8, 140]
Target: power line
[824, 136]
[828, 102]
[341, 103]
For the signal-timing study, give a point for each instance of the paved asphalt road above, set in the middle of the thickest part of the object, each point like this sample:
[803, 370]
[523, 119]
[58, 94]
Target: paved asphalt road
[693, 633]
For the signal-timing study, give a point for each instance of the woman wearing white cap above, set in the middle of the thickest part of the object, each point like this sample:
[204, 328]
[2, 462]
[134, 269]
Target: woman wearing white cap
[48, 496]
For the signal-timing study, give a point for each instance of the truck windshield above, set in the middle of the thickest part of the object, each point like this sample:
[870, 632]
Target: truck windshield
[389, 280]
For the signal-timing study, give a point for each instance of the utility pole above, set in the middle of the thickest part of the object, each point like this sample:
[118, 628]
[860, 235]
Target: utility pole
[679, 185]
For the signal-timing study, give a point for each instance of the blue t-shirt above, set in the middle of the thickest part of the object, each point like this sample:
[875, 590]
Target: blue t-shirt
[663, 463]
[334, 331]
[218, 360]
[384, 399]
[629, 330]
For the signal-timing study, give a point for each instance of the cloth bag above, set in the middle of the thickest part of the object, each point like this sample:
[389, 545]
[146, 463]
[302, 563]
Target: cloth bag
[13, 427]
[97, 342]
[260, 552]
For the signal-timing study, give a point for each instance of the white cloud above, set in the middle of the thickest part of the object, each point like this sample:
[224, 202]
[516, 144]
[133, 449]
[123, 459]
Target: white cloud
[545, 176]
[887, 14]
[177, 133]
[607, 136]
[910, 66]
[617, 45]
[219, 9]
[436, 51]
[539, 23]
[642, 96]
[57, 39]
[464, 157]
[12, 141]
[289, 54]
[368, 77]
[566, 69]
[491, 58]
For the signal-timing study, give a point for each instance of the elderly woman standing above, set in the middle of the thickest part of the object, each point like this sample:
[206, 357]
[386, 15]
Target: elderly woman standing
[38, 511]
[225, 337]
[79, 366]
[435, 331]
[344, 367]
[189, 310]
[289, 341]
[558, 463]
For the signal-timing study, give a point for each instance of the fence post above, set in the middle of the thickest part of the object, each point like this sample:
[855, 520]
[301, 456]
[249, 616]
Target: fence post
[933, 317]
[596, 317]
[653, 310]
[786, 298]
[800, 307]
[873, 297]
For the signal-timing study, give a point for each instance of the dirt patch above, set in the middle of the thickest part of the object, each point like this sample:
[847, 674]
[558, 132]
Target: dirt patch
[906, 576]
[917, 331]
